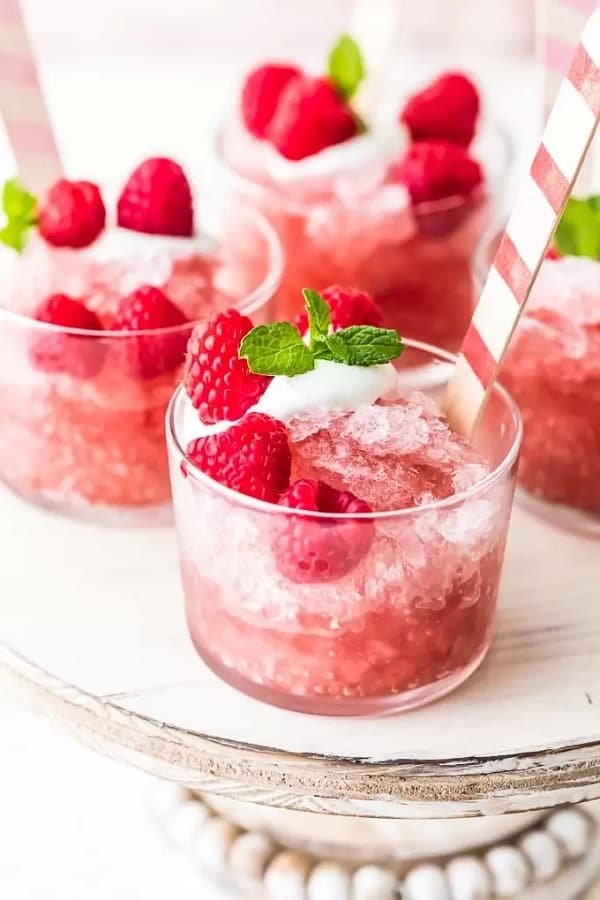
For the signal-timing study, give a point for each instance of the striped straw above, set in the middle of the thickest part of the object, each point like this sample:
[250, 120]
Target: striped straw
[540, 202]
[562, 24]
[22, 104]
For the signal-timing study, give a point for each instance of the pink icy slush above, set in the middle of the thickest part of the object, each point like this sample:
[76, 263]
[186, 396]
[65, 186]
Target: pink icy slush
[88, 436]
[414, 615]
[553, 372]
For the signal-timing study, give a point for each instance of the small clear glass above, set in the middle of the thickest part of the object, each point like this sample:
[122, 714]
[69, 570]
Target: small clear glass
[552, 369]
[81, 415]
[409, 624]
[358, 228]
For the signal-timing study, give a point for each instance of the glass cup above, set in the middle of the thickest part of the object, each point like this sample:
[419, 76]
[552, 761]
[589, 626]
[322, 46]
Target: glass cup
[409, 624]
[359, 228]
[82, 413]
[552, 369]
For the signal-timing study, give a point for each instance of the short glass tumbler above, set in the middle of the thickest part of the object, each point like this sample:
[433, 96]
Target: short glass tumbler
[359, 228]
[410, 623]
[82, 413]
[552, 369]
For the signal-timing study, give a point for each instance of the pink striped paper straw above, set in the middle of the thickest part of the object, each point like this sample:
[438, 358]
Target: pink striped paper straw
[540, 202]
[22, 103]
[562, 22]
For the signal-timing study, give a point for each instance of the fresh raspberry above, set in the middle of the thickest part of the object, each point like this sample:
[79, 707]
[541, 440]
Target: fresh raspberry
[446, 110]
[157, 199]
[252, 457]
[309, 549]
[349, 306]
[219, 383]
[310, 116]
[148, 309]
[552, 253]
[79, 355]
[433, 170]
[72, 214]
[261, 92]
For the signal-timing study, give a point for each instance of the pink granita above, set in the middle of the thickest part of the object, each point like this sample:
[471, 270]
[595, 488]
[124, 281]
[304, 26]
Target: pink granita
[553, 372]
[89, 437]
[411, 618]
[375, 206]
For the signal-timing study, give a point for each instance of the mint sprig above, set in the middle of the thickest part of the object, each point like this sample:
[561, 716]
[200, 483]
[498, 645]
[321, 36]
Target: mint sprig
[346, 68]
[20, 209]
[578, 232]
[278, 349]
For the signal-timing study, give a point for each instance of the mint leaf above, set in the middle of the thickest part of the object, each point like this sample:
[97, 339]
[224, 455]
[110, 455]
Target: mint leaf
[368, 346]
[333, 348]
[14, 235]
[346, 68]
[18, 203]
[578, 232]
[319, 314]
[20, 209]
[276, 349]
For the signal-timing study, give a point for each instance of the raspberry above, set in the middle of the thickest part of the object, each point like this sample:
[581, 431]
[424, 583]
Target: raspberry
[310, 549]
[434, 170]
[446, 110]
[310, 116]
[260, 95]
[552, 253]
[219, 383]
[157, 199]
[150, 355]
[79, 355]
[72, 215]
[252, 457]
[349, 306]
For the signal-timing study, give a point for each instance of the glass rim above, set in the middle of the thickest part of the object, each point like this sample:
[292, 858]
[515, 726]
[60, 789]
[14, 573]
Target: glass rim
[422, 208]
[259, 295]
[263, 506]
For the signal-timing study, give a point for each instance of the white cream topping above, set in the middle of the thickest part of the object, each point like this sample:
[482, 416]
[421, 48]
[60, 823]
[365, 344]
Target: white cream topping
[122, 243]
[329, 386]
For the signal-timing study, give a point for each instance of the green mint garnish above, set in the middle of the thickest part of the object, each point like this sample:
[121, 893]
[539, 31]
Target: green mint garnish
[20, 208]
[278, 349]
[319, 314]
[364, 345]
[346, 68]
[578, 232]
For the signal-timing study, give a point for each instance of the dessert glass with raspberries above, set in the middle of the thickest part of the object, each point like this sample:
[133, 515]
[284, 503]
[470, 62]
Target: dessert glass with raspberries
[93, 329]
[552, 369]
[340, 547]
[392, 199]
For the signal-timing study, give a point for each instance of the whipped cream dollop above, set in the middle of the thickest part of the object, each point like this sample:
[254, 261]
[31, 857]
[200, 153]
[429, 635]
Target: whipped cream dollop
[123, 243]
[329, 386]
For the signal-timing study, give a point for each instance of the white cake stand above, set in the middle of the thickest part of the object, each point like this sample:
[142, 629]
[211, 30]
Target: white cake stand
[470, 798]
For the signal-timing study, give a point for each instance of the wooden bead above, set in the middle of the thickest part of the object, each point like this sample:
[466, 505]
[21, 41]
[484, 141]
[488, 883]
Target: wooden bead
[543, 853]
[250, 854]
[426, 882]
[329, 881]
[286, 877]
[572, 830]
[374, 883]
[509, 869]
[212, 843]
[184, 823]
[469, 879]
